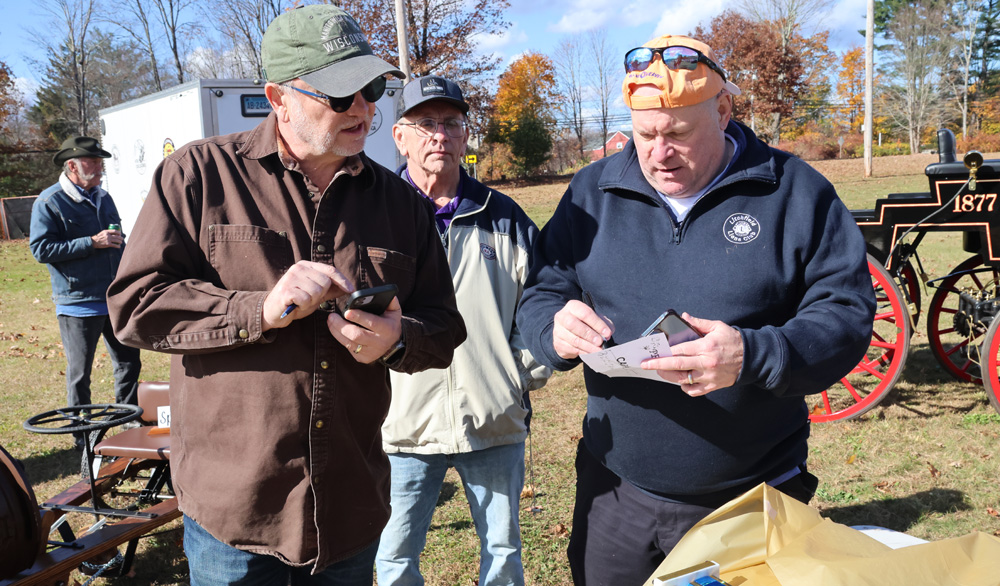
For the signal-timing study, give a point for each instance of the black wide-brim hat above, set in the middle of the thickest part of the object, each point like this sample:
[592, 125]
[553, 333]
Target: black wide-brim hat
[79, 146]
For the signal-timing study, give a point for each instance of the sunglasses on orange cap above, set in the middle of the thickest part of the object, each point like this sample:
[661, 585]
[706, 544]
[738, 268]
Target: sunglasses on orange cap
[676, 57]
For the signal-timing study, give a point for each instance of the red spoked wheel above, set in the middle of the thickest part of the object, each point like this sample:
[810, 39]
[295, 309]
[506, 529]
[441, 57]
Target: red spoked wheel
[870, 381]
[991, 364]
[952, 333]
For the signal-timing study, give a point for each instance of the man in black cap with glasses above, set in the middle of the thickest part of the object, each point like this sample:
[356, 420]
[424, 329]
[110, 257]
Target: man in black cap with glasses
[277, 398]
[756, 251]
[76, 231]
[473, 415]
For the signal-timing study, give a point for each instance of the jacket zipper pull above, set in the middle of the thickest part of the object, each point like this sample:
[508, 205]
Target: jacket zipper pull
[677, 233]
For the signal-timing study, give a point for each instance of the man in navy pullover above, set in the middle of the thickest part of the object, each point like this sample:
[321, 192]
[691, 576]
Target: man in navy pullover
[753, 245]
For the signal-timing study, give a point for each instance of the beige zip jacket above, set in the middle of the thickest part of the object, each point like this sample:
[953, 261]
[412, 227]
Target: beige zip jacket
[479, 401]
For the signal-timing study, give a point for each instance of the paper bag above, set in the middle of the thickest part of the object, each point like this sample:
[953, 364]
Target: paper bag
[766, 538]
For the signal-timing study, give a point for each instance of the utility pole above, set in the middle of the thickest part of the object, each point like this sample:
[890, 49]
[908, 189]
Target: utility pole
[404, 46]
[869, 86]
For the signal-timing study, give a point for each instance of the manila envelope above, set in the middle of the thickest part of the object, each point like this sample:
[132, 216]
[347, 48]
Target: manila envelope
[765, 538]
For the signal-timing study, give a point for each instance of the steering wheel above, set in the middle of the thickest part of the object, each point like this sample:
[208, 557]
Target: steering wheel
[83, 418]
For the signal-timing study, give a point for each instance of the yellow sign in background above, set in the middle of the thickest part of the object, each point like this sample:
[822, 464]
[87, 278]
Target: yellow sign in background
[470, 159]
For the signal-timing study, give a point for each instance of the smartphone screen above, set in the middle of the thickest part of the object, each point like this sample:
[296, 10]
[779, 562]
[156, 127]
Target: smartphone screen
[674, 327]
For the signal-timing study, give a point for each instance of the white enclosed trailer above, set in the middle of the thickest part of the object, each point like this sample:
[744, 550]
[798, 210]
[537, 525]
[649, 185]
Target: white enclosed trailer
[140, 133]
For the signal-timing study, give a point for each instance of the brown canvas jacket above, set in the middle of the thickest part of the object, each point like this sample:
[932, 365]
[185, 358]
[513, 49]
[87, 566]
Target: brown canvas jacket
[276, 445]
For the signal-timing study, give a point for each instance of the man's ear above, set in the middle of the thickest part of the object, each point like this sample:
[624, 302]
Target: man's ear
[725, 109]
[276, 97]
[397, 137]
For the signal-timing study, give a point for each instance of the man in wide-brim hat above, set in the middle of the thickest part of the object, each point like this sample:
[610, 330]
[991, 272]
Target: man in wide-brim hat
[76, 231]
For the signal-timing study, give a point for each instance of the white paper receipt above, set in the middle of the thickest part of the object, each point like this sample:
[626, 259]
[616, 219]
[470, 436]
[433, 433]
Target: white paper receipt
[624, 359]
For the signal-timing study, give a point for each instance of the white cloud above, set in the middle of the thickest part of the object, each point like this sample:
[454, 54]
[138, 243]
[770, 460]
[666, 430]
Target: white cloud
[844, 21]
[492, 42]
[682, 18]
[584, 15]
[28, 89]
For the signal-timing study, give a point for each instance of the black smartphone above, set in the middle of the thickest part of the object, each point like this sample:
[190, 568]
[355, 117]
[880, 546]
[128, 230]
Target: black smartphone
[373, 300]
[676, 329]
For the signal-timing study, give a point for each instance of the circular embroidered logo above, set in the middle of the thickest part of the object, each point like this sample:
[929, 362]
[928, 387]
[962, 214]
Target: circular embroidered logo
[741, 228]
[489, 253]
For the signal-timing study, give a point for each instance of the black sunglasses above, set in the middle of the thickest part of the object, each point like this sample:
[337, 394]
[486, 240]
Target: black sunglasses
[675, 58]
[371, 93]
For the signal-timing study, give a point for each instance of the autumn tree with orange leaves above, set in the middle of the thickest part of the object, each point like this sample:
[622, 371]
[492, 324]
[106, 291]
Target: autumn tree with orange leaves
[769, 77]
[523, 111]
[851, 88]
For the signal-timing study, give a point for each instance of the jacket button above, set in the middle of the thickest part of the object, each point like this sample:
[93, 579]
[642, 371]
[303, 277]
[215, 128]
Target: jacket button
[319, 424]
[324, 365]
[244, 334]
[320, 248]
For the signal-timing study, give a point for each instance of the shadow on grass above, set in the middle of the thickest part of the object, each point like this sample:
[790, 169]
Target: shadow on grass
[448, 492]
[52, 466]
[454, 526]
[927, 390]
[899, 514]
[161, 561]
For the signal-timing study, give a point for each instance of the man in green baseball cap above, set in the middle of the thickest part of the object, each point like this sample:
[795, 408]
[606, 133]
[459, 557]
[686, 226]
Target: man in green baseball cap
[277, 400]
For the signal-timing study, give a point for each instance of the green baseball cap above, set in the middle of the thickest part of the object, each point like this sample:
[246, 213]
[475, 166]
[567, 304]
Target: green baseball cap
[324, 46]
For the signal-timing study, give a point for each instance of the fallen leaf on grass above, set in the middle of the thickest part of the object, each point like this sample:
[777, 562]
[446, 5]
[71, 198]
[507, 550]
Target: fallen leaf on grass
[935, 473]
[956, 464]
[36, 301]
[559, 530]
[528, 491]
[884, 486]
[852, 458]
[992, 512]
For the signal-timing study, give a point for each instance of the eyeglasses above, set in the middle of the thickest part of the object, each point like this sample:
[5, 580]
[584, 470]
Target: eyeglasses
[371, 93]
[674, 58]
[453, 127]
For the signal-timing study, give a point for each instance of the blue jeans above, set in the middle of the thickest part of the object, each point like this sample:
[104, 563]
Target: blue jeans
[213, 563]
[79, 337]
[493, 479]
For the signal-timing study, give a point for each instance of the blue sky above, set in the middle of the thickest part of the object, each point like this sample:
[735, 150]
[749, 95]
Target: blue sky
[535, 26]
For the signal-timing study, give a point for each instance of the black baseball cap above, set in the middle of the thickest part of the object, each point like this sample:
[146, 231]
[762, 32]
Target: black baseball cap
[432, 87]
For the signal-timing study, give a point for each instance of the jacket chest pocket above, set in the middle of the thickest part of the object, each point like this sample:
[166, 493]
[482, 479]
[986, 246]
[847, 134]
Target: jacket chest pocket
[248, 258]
[381, 266]
[81, 222]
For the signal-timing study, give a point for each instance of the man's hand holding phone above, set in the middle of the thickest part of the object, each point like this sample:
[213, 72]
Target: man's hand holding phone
[302, 289]
[371, 323]
[703, 365]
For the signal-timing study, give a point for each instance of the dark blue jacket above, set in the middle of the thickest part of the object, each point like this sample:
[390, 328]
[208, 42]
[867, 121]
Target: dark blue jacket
[62, 222]
[770, 250]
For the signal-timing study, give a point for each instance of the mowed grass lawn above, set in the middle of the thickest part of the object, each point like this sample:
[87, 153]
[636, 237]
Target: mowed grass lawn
[925, 461]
